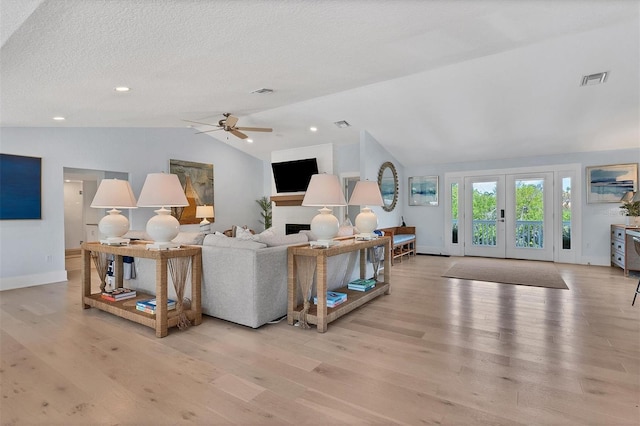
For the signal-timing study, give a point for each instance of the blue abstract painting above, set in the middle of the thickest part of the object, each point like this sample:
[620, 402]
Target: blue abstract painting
[20, 187]
[608, 184]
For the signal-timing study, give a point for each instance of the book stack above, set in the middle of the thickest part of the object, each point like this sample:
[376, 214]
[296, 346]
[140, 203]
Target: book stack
[118, 294]
[362, 284]
[149, 305]
[333, 299]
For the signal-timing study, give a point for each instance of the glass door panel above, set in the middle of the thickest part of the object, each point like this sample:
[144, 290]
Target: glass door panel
[485, 216]
[529, 225]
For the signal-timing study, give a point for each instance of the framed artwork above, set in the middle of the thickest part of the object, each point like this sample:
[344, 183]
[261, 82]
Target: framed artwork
[21, 188]
[197, 181]
[423, 191]
[608, 184]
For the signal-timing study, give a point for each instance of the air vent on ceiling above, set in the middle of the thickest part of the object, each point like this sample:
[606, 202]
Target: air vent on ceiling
[590, 80]
[263, 90]
[342, 124]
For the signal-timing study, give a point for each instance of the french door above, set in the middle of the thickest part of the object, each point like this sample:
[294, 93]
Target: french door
[509, 216]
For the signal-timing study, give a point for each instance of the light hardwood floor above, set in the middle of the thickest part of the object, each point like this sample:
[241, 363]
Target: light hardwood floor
[436, 351]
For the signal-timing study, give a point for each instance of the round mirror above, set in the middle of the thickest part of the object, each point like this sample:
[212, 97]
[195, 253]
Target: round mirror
[388, 183]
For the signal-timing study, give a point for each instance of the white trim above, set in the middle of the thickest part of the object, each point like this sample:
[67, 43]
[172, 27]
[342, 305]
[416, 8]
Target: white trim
[22, 281]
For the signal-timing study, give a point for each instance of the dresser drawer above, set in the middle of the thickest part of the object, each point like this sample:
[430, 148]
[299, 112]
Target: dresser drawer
[617, 259]
[618, 233]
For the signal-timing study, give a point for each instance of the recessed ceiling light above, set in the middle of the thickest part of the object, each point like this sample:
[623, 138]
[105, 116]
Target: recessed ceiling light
[122, 89]
[58, 118]
[342, 124]
[250, 140]
[313, 129]
[590, 80]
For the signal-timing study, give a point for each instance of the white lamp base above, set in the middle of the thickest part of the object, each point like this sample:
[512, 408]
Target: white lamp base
[113, 226]
[115, 241]
[325, 225]
[162, 246]
[163, 228]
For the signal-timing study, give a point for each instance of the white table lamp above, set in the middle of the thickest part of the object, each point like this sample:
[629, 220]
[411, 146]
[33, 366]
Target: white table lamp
[114, 194]
[366, 193]
[324, 190]
[203, 212]
[162, 190]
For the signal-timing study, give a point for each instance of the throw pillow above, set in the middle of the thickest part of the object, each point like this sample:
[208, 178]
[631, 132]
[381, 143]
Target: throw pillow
[219, 234]
[281, 240]
[245, 234]
[218, 241]
[345, 231]
[189, 238]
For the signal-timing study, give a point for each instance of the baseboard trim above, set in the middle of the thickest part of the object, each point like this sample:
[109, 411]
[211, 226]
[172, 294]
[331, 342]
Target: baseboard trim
[23, 281]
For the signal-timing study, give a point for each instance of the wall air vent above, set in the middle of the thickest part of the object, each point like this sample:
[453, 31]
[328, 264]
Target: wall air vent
[263, 90]
[590, 80]
[342, 124]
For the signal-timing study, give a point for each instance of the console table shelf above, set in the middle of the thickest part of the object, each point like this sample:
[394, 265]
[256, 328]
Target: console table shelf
[162, 319]
[304, 262]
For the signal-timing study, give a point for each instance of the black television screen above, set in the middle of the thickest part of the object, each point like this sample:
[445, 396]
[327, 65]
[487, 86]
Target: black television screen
[294, 176]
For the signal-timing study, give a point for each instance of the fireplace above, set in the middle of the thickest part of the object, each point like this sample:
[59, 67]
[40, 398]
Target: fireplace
[294, 228]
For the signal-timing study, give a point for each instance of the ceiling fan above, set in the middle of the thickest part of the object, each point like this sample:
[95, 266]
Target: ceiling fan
[228, 124]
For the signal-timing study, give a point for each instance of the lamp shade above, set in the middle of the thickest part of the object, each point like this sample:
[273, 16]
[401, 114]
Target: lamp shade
[366, 193]
[114, 193]
[162, 190]
[204, 212]
[324, 190]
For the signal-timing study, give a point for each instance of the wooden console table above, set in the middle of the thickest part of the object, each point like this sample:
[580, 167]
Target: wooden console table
[304, 261]
[162, 319]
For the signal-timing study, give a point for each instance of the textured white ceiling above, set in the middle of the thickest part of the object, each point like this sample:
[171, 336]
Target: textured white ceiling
[432, 81]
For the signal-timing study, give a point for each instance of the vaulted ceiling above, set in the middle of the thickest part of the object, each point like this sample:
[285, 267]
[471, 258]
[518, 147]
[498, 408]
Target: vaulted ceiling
[432, 81]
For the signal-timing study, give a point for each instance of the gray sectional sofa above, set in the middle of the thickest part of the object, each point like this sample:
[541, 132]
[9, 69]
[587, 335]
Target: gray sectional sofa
[245, 281]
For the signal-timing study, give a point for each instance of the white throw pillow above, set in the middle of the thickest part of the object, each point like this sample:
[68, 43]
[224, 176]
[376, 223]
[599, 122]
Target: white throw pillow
[189, 238]
[245, 234]
[219, 234]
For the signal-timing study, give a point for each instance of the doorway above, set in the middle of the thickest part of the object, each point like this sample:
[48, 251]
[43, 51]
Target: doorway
[542, 213]
[510, 216]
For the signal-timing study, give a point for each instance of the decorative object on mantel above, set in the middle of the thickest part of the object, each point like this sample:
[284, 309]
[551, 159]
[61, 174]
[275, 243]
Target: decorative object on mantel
[366, 193]
[203, 212]
[162, 190]
[114, 194]
[631, 206]
[324, 191]
[265, 211]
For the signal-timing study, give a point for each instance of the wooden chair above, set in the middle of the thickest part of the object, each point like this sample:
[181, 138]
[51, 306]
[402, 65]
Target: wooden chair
[636, 244]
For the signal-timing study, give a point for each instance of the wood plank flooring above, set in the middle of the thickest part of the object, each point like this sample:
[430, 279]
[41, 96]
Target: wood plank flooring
[435, 351]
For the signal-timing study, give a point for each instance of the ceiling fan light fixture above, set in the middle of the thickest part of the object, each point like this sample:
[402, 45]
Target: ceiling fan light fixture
[249, 140]
[122, 89]
[593, 79]
[262, 90]
[313, 129]
[342, 124]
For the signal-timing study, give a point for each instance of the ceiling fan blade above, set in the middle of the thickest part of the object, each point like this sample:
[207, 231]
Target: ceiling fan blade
[238, 134]
[207, 131]
[231, 121]
[198, 122]
[255, 129]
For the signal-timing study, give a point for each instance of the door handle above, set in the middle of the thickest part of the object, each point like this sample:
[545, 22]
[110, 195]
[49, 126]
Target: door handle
[501, 215]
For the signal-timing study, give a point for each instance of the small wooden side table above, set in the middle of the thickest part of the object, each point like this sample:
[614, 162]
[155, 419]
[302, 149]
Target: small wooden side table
[162, 319]
[304, 261]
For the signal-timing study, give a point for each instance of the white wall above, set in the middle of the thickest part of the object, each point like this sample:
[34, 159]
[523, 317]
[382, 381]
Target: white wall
[596, 218]
[372, 156]
[32, 251]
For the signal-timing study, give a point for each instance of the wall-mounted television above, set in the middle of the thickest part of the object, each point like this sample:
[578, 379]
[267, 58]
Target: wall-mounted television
[294, 176]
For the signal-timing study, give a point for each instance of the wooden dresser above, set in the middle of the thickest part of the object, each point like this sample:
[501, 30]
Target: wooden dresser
[623, 253]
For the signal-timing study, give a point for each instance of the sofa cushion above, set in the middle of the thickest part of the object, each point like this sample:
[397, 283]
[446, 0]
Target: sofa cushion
[402, 238]
[218, 241]
[189, 238]
[281, 240]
